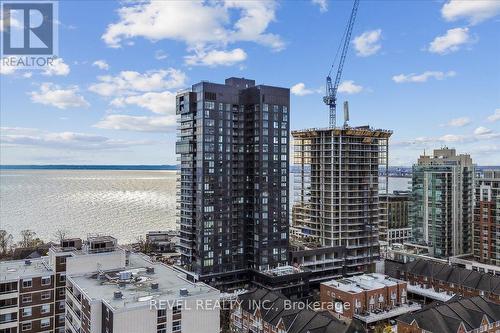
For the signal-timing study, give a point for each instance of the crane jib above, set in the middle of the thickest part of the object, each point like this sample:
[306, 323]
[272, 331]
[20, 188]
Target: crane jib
[331, 89]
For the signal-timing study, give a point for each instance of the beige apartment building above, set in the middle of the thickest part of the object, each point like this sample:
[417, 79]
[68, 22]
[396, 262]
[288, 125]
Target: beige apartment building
[98, 287]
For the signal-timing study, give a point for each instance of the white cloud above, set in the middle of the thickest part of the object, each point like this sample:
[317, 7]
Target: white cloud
[102, 64]
[7, 70]
[451, 41]
[14, 23]
[482, 131]
[62, 98]
[300, 89]
[479, 134]
[349, 87]
[138, 123]
[160, 55]
[201, 25]
[495, 116]
[368, 43]
[403, 78]
[475, 11]
[322, 4]
[459, 122]
[58, 67]
[12, 136]
[130, 82]
[161, 102]
[215, 58]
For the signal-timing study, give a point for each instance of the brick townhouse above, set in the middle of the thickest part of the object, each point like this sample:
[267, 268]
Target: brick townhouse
[444, 278]
[458, 315]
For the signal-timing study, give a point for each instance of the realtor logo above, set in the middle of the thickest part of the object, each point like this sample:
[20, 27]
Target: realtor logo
[29, 33]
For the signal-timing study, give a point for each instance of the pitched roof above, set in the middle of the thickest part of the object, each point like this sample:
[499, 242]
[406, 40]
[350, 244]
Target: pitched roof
[294, 319]
[456, 275]
[447, 317]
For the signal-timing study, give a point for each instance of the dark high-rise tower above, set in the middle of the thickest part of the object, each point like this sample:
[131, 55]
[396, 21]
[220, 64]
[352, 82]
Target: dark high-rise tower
[233, 184]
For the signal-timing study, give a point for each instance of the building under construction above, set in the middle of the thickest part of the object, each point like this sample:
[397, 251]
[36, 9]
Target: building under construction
[336, 214]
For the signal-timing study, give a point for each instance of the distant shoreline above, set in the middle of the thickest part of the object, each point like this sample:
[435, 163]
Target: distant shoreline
[88, 167]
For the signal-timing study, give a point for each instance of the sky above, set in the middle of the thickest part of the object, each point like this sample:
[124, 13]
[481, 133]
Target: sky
[428, 70]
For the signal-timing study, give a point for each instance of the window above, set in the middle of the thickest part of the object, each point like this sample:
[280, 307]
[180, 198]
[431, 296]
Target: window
[27, 312]
[27, 283]
[44, 323]
[265, 107]
[176, 310]
[209, 105]
[46, 280]
[45, 308]
[45, 296]
[176, 326]
[62, 277]
[26, 327]
[26, 299]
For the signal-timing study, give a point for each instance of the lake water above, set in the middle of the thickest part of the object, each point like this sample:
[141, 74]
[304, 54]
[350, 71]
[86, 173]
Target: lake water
[125, 204]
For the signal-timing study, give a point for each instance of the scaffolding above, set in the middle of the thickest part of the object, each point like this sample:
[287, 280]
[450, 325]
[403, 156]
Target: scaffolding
[337, 190]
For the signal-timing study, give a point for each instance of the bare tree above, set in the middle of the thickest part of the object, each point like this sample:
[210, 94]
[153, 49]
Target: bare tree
[5, 242]
[61, 234]
[145, 246]
[29, 239]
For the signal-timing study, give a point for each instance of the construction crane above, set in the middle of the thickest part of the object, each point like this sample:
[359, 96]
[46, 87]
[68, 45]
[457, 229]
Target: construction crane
[331, 88]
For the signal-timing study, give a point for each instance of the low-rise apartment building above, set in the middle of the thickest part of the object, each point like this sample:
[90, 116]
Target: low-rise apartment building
[35, 297]
[141, 296]
[370, 298]
[459, 315]
[28, 300]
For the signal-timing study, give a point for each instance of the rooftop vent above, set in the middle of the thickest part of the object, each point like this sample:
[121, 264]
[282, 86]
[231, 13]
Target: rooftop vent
[154, 286]
[27, 262]
[183, 292]
[118, 294]
[125, 275]
[150, 270]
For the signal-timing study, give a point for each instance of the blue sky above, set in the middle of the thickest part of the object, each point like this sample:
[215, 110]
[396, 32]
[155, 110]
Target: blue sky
[428, 70]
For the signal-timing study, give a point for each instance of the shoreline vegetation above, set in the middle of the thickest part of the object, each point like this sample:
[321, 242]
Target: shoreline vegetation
[30, 244]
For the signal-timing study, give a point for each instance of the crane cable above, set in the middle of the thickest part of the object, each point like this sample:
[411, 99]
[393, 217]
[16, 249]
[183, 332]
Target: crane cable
[344, 36]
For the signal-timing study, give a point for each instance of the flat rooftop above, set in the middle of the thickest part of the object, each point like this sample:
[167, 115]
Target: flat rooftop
[13, 270]
[364, 131]
[136, 284]
[365, 282]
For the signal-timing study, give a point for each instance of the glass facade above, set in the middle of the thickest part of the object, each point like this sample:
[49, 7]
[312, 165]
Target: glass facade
[233, 147]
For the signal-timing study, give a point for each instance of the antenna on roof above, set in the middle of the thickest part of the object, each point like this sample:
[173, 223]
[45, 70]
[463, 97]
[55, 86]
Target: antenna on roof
[346, 114]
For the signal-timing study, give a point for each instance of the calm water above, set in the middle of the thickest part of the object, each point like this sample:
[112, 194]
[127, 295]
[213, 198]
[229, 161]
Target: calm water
[125, 204]
[399, 184]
